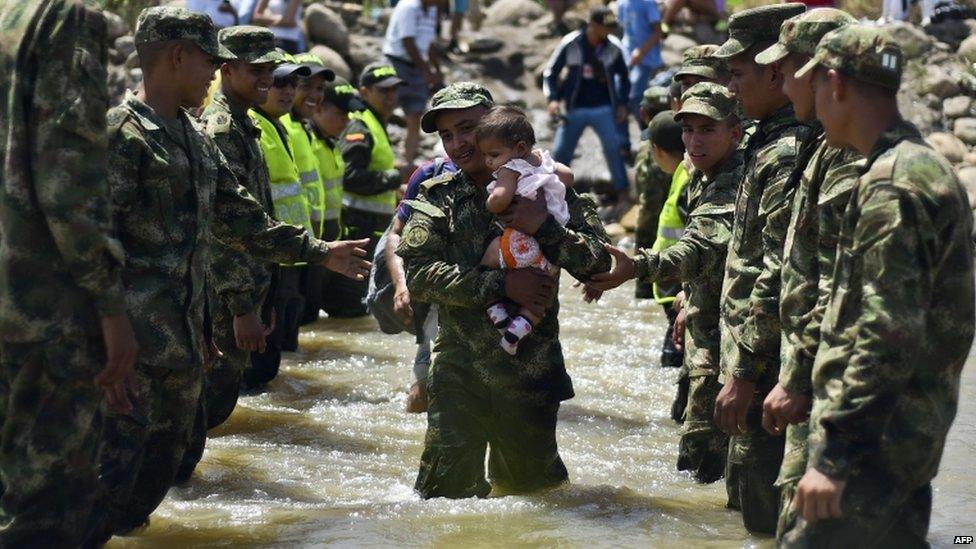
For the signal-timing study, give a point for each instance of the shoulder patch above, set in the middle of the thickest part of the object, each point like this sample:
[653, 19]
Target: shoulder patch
[218, 123]
[425, 207]
[416, 235]
[439, 180]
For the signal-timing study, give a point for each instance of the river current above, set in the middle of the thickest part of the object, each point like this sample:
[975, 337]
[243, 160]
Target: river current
[328, 457]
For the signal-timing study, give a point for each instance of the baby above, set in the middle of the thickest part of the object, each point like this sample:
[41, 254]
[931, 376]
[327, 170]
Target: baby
[505, 138]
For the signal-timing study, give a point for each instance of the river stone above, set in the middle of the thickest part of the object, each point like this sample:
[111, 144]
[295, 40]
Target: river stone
[913, 41]
[965, 129]
[513, 12]
[957, 107]
[132, 62]
[967, 176]
[333, 60]
[115, 25]
[125, 45]
[938, 81]
[970, 158]
[967, 49]
[678, 43]
[327, 27]
[948, 146]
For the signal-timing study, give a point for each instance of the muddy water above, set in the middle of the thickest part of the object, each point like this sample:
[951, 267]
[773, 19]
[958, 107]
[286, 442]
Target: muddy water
[327, 457]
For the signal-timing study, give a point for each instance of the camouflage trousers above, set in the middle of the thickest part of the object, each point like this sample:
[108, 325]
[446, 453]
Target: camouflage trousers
[790, 473]
[878, 511]
[645, 233]
[751, 472]
[464, 418]
[703, 447]
[51, 417]
[141, 451]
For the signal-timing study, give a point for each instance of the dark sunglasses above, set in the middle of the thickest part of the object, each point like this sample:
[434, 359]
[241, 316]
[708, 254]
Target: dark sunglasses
[286, 82]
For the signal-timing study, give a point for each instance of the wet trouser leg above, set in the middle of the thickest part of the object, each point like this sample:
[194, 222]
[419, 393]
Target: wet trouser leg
[142, 451]
[345, 297]
[314, 278]
[51, 425]
[703, 447]
[287, 303]
[790, 472]
[751, 471]
[463, 419]
[671, 357]
[878, 511]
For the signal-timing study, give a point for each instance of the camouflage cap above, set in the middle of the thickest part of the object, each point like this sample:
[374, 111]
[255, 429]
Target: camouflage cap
[865, 53]
[457, 96]
[699, 61]
[655, 99]
[251, 44]
[802, 33]
[756, 25]
[164, 23]
[315, 65]
[708, 99]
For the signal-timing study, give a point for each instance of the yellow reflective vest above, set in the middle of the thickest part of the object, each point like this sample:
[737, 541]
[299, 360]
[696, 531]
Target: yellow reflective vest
[331, 169]
[381, 159]
[308, 169]
[670, 224]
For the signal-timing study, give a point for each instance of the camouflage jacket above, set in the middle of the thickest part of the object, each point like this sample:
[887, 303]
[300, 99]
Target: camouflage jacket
[59, 266]
[170, 194]
[750, 301]
[825, 176]
[356, 146]
[698, 260]
[442, 246]
[652, 190]
[238, 279]
[900, 319]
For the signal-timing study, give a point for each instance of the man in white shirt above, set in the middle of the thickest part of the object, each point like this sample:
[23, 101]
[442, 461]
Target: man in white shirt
[412, 30]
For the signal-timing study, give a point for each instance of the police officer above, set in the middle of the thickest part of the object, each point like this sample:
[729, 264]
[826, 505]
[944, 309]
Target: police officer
[750, 310]
[171, 192]
[371, 178]
[899, 320]
[64, 333]
[823, 179]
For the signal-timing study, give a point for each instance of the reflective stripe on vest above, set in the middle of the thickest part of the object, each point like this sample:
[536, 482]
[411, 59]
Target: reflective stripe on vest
[285, 190]
[670, 225]
[331, 171]
[308, 168]
[381, 159]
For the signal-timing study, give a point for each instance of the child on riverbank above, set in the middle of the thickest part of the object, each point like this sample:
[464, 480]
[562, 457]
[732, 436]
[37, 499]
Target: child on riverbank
[506, 139]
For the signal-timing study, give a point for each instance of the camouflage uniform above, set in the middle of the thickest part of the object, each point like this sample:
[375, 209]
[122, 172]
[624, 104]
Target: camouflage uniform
[750, 304]
[240, 283]
[59, 267]
[823, 179]
[698, 260]
[897, 328]
[699, 61]
[651, 182]
[479, 395]
[171, 190]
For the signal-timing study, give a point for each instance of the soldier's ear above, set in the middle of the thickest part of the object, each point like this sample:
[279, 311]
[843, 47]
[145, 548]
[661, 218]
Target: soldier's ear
[838, 85]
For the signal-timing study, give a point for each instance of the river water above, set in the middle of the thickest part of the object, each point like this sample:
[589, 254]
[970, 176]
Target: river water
[328, 457]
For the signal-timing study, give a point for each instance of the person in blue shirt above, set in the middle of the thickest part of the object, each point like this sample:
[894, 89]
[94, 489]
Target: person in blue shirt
[641, 23]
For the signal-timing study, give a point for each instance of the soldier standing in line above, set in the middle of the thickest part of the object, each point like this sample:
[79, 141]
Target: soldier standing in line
[711, 133]
[823, 179]
[899, 320]
[240, 283]
[651, 183]
[64, 333]
[172, 192]
[369, 194]
[750, 306]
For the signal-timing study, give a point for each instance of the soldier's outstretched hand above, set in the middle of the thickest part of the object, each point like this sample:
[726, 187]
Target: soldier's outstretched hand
[346, 257]
[117, 379]
[623, 270]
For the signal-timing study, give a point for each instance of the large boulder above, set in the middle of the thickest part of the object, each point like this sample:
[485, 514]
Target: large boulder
[677, 43]
[125, 45]
[965, 129]
[967, 49]
[938, 81]
[948, 145]
[967, 176]
[115, 25]
[957, 107]
[333, 60]
[326, 27]
[513, 12]
[913, 41]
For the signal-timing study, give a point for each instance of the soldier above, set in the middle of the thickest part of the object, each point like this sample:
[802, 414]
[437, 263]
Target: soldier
[171, 190]
[711, 133]
[823, 179]
[371, 179]
[64, 333]
[239, 282]
[479, 394]
[899, 320]
[698, 65]
[750, 310]
[652, 184]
